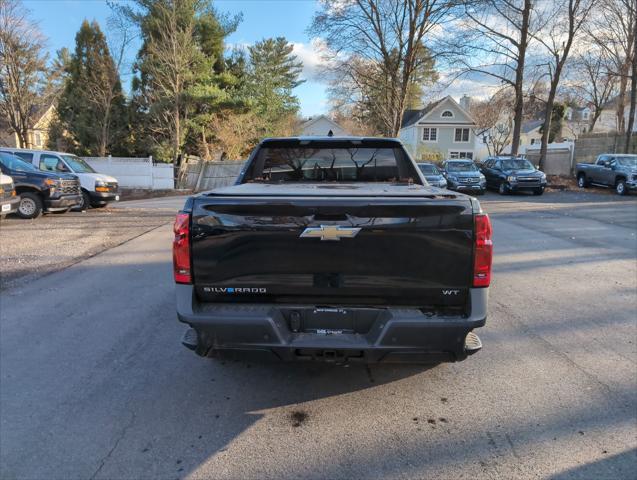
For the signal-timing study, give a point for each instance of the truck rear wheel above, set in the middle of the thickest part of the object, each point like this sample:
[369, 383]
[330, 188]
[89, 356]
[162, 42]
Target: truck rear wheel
[620, 187]
[30, 205]
[581, 181]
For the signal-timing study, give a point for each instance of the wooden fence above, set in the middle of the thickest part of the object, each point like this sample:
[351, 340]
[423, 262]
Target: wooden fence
[198, 175]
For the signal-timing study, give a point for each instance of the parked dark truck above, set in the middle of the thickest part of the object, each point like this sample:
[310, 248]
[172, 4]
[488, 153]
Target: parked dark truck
[332, 249]
[40, 191]
[618, 171]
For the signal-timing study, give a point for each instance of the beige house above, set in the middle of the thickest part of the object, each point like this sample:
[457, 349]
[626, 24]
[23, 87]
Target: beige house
[37, 137]
[441, 130]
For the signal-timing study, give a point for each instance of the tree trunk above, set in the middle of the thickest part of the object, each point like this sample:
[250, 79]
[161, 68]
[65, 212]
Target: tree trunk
[177, 132]
[633, 97]
[621, 99]
[546, 126]
[105, 128]
[598, 112]
[23, 137]
[519, 78]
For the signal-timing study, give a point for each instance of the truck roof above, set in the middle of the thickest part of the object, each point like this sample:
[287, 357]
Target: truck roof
[326, 139]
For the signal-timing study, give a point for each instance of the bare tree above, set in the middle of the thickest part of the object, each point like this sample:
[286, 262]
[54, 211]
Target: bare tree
[492, 40]
[23, 85]
[633, 85]
[170, 57]
[494, 119]
[613, 28]
[378, 47]
[591, 81]
[565, 22]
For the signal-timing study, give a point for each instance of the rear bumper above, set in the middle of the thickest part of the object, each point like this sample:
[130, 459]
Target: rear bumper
[63, 202]
[102, 198]
[12, 202]
[397, 335]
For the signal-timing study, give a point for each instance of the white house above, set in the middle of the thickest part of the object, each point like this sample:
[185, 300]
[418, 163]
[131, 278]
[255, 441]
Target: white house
[442, 129]
[321, 126]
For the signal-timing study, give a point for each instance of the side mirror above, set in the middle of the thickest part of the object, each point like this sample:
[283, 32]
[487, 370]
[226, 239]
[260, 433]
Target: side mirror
[537, 167]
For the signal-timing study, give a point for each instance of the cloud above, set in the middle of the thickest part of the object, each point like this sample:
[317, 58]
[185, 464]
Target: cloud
[312, 56]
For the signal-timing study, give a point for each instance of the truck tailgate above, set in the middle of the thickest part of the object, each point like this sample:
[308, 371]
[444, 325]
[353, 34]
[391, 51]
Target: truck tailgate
[410, 250]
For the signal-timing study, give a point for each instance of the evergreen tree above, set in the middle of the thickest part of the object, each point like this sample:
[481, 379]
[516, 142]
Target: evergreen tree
[273, 74]
[92, 107]
[180, 72]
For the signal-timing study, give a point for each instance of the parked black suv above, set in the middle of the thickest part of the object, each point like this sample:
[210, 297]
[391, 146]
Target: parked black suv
[513, 174]
[40, 191]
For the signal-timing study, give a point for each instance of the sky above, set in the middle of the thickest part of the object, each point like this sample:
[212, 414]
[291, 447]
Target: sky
[60, 20]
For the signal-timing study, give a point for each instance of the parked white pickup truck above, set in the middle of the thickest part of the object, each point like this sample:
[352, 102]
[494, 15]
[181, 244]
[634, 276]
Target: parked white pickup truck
[98, 190]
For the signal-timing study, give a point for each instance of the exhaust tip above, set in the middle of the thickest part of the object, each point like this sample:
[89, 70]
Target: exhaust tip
[472, 343]
[190, 340]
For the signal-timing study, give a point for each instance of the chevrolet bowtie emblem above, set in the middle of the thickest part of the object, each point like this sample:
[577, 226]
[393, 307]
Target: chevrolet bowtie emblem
[330, 232]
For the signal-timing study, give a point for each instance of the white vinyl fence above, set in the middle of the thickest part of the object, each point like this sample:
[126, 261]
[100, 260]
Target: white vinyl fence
[135, 172]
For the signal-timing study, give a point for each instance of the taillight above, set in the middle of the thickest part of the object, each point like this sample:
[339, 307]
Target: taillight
[483, 251]
[181, 249]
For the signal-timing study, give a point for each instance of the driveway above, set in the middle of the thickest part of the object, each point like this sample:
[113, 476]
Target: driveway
[96, 385]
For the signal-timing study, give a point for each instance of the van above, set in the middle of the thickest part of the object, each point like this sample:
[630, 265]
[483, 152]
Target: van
[98, 190]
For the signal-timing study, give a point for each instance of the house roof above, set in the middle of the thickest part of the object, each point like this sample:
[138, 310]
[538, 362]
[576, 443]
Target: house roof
[531, 125]
[313, 120]
[412, 116]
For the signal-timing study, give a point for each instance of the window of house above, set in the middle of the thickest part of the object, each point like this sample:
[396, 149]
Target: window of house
[461, 154]
[447, 114]
[37, 139]
[462, 135]
[586, 115]
[430, 134]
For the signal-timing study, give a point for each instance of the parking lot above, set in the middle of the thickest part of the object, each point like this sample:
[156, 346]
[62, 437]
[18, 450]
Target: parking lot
[95, 382]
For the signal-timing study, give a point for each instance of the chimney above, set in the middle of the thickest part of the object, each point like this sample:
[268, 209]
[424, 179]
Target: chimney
[465, 101]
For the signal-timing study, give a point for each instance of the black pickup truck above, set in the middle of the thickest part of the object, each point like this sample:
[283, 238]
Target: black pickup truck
[332, 249]
[40, 191]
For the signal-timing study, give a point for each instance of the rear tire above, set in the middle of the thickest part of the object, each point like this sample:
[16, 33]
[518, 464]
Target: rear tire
[581, 181]
[30, 205]
[620, 187]
[503, 189]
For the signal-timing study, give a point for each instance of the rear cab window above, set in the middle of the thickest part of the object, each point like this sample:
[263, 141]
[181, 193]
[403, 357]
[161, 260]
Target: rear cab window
[330, 161]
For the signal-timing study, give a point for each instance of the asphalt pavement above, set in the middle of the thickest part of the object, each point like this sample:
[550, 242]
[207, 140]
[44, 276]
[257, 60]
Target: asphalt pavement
[95, 384]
